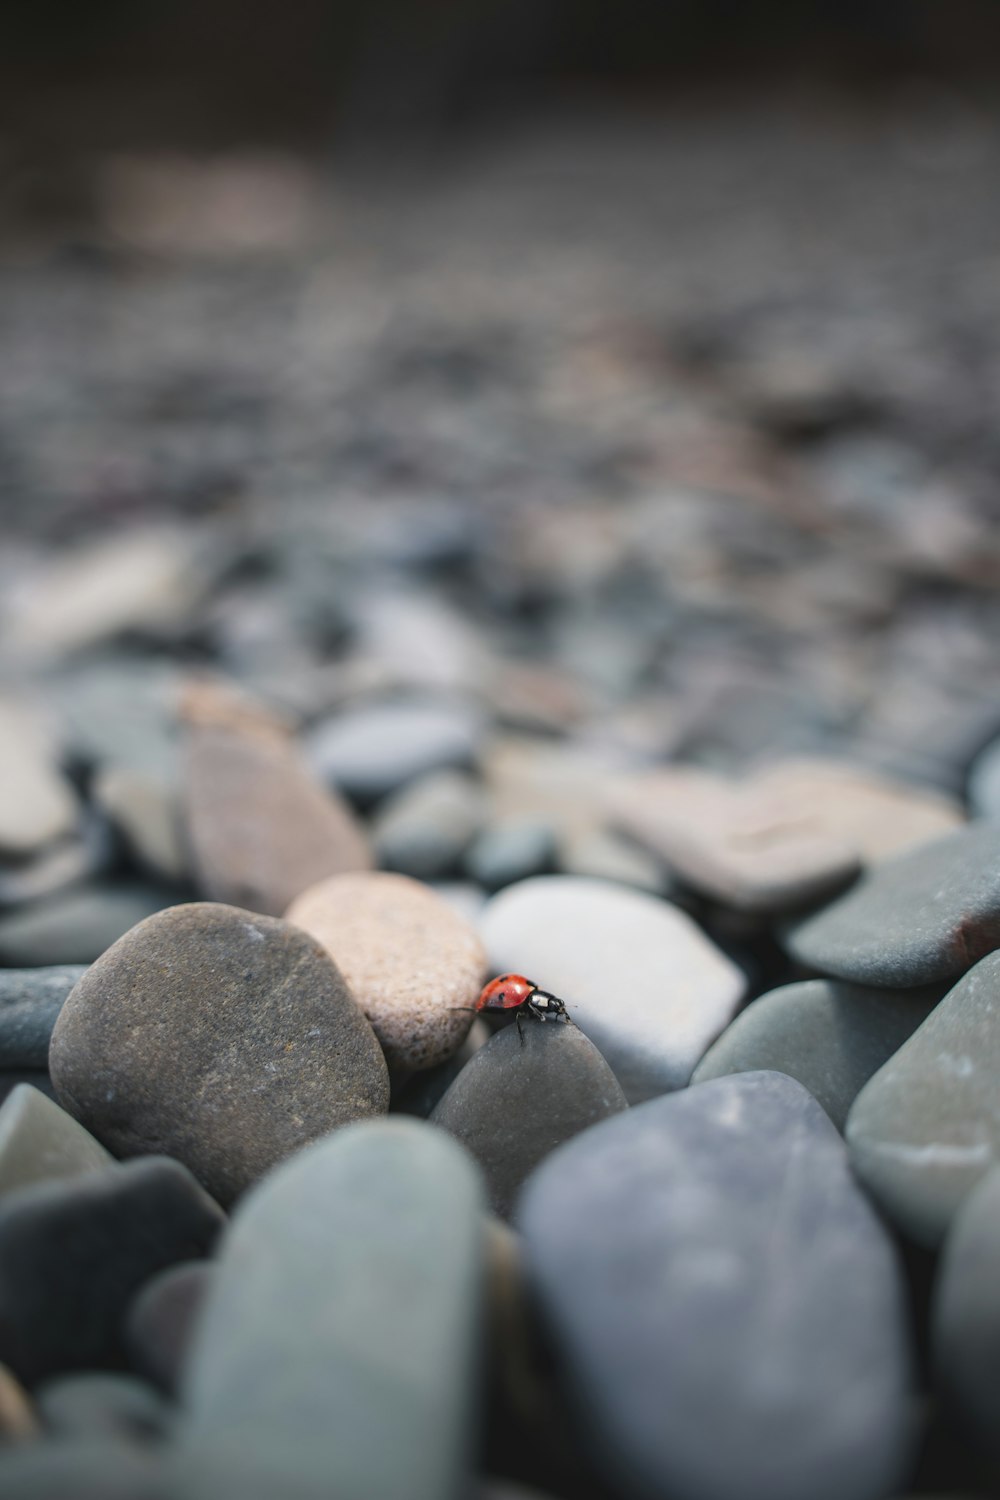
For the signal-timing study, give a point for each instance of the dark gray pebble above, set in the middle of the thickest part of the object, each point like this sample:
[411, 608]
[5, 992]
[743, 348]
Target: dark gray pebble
[101, 1403]
[76, 926]
[30, 1001]
[160, 1321]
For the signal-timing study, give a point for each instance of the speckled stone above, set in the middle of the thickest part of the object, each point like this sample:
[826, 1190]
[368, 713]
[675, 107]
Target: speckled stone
[74, 1252]
[726, 1311]
[30, 1002]
[926, 1128]
[36, 804]
[38, 1140]
[639, 978]
[410, 959]
[521, 1096]
[782, 837]
[918, 919]
[338, 1349]
[219, 1037]
[965, 1323]
[830, 1036]
[374, 750]
[261, 827]
[77, 925]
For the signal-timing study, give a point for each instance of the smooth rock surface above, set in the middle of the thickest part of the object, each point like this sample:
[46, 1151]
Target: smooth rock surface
[965, 1324]
[39, 1141]
[602, 854]
[219, 1037]
[783, 836]
[92, 1469]
[161, 1320]
[76, 926]
[639, 978]
[144, 807]
[984, 782]
[926, 1127]
[424, 830]
[73, 1253]
[98, 1403]
[36, 803]
[261, 827]
[30, 1002]
[918, 919]
[411, 960]
[519, 1098]
[371, 751]
[338, 1344]
[830, 1036]
[725, 1308]
[510, 850]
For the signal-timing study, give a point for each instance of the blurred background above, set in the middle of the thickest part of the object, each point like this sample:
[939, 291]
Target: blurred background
[632, 370]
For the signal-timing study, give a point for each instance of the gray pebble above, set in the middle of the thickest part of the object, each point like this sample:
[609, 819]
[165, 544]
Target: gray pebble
[511, 850]
[38, 1140]
[99, 1403]
[160, 1321]
[76, 926]
[966, 1313]
[371, 751]
[30, 1002]
[425, 829]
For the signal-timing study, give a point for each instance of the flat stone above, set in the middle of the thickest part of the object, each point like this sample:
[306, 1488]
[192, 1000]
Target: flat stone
[30, 1002]
[984, 782]
[261, 827]
[830, 1036]
[18, 1421]
[965, 1320]
[926, 1127]
[144, 807]
[424, 830]
[411, 960]
[693, 1259]
[279, 1055]
[160, 1322]
[511, 850]
[601, 854]
[371, 751]
[74, 1252]
[65, 863]
[37, 804]
[918, 919]
[77, 925]
[338, 1346]
[84, 1469]
[98, 1403]
[782, 837]
[639, 978]
[39, 1141]
[521, 1096]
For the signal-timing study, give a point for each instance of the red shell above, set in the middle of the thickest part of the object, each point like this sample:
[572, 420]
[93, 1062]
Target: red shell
[506, 992]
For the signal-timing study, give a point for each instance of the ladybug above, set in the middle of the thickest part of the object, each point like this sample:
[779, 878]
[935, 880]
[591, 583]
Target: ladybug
[514, 992]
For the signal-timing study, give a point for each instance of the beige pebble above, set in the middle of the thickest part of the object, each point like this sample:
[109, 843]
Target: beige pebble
[410, 959]
[17, 1415]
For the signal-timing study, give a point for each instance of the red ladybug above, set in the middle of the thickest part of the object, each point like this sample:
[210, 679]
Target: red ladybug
[514, 992]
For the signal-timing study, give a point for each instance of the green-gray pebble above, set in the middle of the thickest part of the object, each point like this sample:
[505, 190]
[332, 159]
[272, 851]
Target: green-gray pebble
[926, 1127]
[966, 1313]
[30, 1001]
[829, 1035]
[38, 1140]
[923, 917]
[338, 1345]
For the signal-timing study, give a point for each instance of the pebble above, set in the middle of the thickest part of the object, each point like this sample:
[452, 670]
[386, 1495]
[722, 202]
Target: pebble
[984, 782]
[424, 830]
[377, 749]
[88, 852]
[923, 917]
[638, 976]
[338, 1346]
[30, 1001]
[261, 827]
[82, 1469]
[965, 1322]
[37, 804]
[927, 1126]
[782, 837]
[423, 1091]
[510, 850]
[602, 854]
[74, 1252]
[411, 960]
[519, 1098]
[38, 1140]
[160, 1322]
[281, 1055]
[36, 1078]
[18, 1421]
[830, 1036]
[98, 1403]
[726, 1310]
[77, 925]
[117, 711]
[144, 808]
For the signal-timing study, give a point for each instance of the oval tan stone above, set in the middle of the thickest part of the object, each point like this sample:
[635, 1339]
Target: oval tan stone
[410, 959]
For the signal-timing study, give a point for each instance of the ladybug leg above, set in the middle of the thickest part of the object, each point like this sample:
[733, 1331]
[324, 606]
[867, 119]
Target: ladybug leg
[519, 1023]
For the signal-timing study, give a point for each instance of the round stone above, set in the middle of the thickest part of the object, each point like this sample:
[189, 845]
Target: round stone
[371, 751]
[510, 850]
[411, 960]
[926, 1127]
[923, 917]
[830, 1036]
[162, 1318]
[965, 1322]
[425, 829]
[638, 976]
[523, 1094]
[219, 1037]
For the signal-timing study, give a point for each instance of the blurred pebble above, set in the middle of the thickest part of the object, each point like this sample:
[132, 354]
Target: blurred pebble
[30, 1002]
[144, 808]
[425, 829]
[509, 850]
[369, 752]
[98, 1403]
[18, 1420]
[37, 805]
[160, 1322]
[77, 925]
[38, 1141]
[984, 782]
[601, 854]
[966, 1314]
